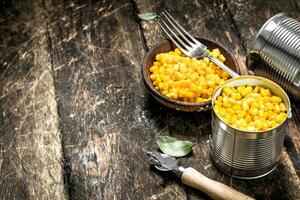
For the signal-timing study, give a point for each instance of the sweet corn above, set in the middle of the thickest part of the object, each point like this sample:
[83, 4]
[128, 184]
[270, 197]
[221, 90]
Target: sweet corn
[277, 108]
[276, 99]
[222, 58]
[269, 106]
[253, 111]
[256, 89]
[279, 118]
[265, 92]
[250, 108]
[254, 105]
[248, 118]
[245, 105]
[187, 79]
[282, 107]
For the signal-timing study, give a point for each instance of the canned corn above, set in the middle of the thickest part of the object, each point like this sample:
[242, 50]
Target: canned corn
[246, 154]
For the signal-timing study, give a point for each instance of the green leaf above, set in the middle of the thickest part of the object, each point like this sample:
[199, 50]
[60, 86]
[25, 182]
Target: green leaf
[174, 147]
[147, 16]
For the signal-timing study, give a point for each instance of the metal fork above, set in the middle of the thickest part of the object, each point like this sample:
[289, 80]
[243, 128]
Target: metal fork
[187, 43]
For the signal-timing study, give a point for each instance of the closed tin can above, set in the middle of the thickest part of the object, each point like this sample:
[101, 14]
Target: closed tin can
[242, 154]
[275, 55]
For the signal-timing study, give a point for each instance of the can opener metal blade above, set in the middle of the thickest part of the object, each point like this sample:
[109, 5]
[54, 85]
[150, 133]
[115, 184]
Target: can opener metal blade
[195, 179]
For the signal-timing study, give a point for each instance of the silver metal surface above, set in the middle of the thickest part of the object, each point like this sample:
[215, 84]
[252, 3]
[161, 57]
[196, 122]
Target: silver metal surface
[187, 44]
[244, 154]
[163, 162]
[274, 53]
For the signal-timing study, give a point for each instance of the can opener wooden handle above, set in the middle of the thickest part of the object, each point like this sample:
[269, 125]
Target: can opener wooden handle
[195, 179]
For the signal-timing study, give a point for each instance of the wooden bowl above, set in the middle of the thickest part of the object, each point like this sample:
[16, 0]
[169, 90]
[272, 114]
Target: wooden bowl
[166, 46]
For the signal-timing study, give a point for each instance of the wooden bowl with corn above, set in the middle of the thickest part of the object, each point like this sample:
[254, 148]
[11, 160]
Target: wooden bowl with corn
[184, 83]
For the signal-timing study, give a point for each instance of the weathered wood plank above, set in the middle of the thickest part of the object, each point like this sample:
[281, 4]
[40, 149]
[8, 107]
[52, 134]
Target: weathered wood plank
[107, 120]
[30, 148]
[245, 14]
[212, 19]
[250, 15]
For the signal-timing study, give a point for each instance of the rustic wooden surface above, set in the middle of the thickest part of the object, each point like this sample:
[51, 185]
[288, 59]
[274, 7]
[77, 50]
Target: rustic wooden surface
[76, 119]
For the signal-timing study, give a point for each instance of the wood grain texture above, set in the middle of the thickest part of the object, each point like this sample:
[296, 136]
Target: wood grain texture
[30, 146]
[250, 15]
[107, 120]
[213, 19]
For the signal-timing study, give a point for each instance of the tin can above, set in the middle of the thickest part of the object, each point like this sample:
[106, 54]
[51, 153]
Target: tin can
[275, 55]
[243, 154]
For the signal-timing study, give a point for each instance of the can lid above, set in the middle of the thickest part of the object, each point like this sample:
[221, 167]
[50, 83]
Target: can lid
[266, 31]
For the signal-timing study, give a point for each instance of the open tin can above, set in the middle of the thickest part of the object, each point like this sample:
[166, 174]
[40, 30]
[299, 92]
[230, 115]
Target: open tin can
[274, 53]
[244, 154]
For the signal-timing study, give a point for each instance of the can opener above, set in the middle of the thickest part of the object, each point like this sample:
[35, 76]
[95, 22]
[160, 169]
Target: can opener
[191, 177]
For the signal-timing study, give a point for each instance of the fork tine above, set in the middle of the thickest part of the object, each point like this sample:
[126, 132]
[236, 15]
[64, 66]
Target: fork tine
[182, 36]
[172, 39]
[191, 37]
[183, 47]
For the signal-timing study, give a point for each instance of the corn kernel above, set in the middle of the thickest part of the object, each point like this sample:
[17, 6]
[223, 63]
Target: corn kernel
[248, 118]
[259, 124]
[237, 107]
[206, 60]
[200, 100]
[273, 124]
[152, 77]
[173, 95]
[271, 115]
[281, 117]
[262, 114]
[270, 106]
[194, 79]
[265, 92]
[256, 89]
[160, 85]
[241, 88]
[226, 104]
[153, 68]
[276, 108]
[215, 53]
[238, 96]
[177, 51]
[276, 99]
[245, 105]
[266, 99]
[246, 91]
[256, 109]
[253, 111]
[227, 91]
[254, 105]
[220, 98]
[282, 107]
[240, 114]
[222, 58]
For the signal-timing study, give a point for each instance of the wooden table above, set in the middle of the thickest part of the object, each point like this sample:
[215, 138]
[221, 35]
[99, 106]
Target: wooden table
[76, 119]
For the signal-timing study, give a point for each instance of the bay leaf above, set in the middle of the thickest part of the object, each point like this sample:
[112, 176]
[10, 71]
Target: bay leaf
[147, 16]
[174, 147]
